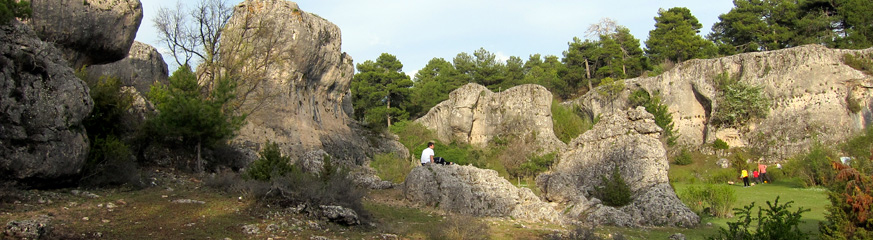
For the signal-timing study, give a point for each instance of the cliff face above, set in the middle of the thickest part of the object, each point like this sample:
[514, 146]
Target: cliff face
[298, 88]
[808, 86]
[475, 115]
[42, 105]
[88, 31]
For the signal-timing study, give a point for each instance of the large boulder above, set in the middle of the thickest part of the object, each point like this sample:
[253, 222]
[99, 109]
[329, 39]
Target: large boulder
[141, 68]
[629, 142]
[473, 191]
[42, 105]
[475, 115]
[808, 85]
[296, 84]
[88, 31]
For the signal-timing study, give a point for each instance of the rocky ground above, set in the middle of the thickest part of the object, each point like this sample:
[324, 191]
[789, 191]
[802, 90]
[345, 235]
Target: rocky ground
[177, 205]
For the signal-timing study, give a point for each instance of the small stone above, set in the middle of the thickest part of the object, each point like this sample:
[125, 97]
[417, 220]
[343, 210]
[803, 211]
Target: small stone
[85, 219]
[105, 220]
[110, 205]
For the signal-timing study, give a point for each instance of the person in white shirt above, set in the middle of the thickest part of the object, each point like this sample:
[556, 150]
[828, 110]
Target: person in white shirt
[427, 154]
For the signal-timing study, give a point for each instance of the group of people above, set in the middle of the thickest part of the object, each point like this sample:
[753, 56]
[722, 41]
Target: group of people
[758, 175]
[427, 156]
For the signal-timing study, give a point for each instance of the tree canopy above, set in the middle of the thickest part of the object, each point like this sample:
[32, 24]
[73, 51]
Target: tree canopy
[675, 37]
[381, 91]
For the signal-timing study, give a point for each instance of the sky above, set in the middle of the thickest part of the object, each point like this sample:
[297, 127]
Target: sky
[417, 31]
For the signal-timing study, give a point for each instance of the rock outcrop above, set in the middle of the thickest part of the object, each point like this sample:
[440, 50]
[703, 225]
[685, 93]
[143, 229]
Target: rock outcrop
[475, 115]
[628, 141]
[42, 105]
[88, 31]
[296, 84]
[142, 67]
[473, 191]
[808, 85]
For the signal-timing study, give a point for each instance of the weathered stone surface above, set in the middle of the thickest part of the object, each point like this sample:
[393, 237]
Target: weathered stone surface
[42, 105]
[141, 68]
[37, 228]
[475, 115]
[629, 142]
[808, 86]
[339, 214]
[302, 95]
[88, 31]
[474, 191]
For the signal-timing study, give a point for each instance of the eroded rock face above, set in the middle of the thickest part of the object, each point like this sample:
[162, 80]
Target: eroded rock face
[141, 68]
[298, 84]
[629, 142]
[88, 31]
[475, 115]
[474, 191]
[808, 86]
[42, 105]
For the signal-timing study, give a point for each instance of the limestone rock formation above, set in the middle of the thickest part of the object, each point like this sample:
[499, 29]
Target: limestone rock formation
[629, 142]
[474, 191]
[142, 67]
[42, 105]
[88, 31]
[296, 84]
[475, 115]
[808, 85]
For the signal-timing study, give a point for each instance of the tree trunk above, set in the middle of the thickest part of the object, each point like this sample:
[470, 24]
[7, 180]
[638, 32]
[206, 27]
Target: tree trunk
[588, 75]
[388, 114]
[199, 160]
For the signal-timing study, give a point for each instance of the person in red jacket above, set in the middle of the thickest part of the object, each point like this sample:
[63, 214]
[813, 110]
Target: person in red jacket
[755, 177]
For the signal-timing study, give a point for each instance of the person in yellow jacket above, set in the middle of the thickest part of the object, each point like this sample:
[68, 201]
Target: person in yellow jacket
[745, 175]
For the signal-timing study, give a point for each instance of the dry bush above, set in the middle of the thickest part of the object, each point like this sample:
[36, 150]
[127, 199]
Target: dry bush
[460, 227]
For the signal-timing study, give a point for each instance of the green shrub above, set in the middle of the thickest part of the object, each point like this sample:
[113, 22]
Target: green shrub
[814, 167]
[111, 103]
[738, 102]
[859, 62]
[110, 162]
[720, 144]
[852, 104]
[722, 176]
[536, 165]
[270, 164]
[613, 190]
[10, 9]
[715, 200]
[775, 222]
[860, 147]
[389, 167]
[653, 105]
[569, 122]
[684, 158]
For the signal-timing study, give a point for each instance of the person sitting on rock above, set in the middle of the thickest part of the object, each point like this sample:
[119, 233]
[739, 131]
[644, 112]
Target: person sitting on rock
[427, 154]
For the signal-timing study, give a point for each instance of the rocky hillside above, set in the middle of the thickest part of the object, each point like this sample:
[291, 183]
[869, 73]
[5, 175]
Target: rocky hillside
[298, 95]
[475, 115]
[809, 87]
